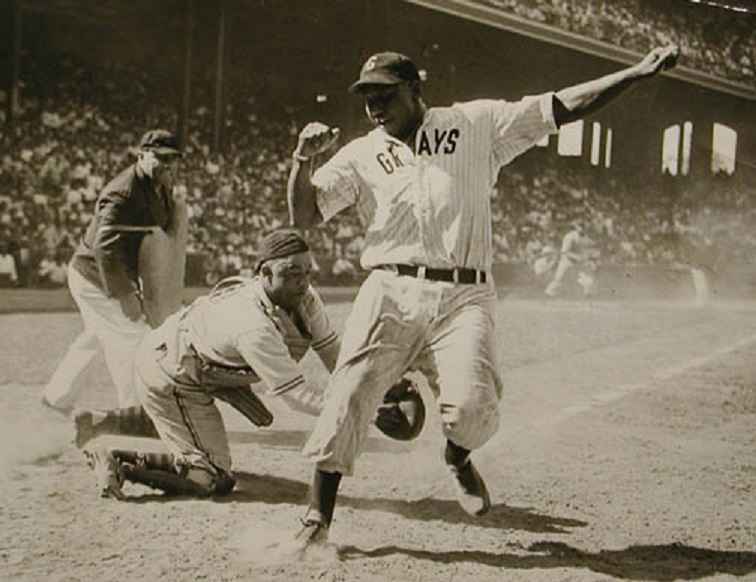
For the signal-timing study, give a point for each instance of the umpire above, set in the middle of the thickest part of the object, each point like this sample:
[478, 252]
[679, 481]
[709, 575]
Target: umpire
[104, 273]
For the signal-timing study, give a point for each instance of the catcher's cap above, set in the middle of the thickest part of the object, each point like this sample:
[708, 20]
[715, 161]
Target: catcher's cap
[160, 141]
[281, 243]
[386, 68]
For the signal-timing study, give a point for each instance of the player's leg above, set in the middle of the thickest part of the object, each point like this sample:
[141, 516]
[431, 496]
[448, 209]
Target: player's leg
[131, 421]
[383, 333]
[113, 467]
[463, 357]
[557, 281]
[701, 286]
[587, 281]
[189, 424]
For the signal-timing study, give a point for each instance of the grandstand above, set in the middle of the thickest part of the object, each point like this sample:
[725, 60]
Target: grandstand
[238, 78]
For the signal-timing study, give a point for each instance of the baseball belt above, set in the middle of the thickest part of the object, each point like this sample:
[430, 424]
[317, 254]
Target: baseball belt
[455, 275]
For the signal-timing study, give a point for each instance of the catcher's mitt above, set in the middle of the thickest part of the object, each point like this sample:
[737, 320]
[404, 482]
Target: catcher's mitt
[402, 414]
[245, 401]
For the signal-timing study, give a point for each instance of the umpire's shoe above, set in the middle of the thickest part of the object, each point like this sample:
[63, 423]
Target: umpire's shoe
[83, 428]
[108, 472]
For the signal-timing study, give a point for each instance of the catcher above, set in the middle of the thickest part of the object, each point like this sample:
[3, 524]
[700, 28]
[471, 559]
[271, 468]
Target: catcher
[245, 331]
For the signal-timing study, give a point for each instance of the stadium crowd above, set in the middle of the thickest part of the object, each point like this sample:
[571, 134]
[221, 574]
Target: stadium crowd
[68, 140]
[718, 40]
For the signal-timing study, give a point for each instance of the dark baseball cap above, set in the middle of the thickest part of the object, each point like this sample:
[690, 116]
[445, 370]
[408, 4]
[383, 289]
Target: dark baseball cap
[160, 141]
[386, 68]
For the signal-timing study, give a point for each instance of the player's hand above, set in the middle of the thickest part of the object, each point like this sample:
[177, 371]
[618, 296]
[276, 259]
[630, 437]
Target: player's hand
[131, 306]
[315, 138]
[659, 59]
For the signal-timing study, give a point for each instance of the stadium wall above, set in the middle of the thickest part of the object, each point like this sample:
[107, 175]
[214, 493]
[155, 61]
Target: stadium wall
[303, 54]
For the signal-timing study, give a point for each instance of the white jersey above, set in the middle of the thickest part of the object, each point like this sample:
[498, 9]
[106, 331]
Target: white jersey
[431, 206]
[237, 333]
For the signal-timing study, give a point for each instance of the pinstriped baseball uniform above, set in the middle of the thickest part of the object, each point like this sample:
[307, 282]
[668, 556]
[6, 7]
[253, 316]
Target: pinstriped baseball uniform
[235, 336]
[429, 208]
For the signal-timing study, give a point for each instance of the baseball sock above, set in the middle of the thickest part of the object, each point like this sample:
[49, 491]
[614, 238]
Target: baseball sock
[158, 461]
[455, 455]
[325, 486]
[132, 421]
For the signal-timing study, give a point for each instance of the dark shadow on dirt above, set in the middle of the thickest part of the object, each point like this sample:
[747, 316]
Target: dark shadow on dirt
[662, 563]
[279, 439]
[295, 439]
[273, 490]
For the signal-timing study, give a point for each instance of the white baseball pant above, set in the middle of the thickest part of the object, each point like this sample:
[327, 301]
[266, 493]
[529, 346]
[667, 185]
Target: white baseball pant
[443, 330]
[186, 418]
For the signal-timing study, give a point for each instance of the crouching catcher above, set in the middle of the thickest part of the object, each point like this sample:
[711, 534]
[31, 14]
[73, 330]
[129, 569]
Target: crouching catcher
[246, 331]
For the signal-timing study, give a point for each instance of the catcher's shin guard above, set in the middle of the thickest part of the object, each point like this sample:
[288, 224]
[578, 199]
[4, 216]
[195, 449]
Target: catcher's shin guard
[158, 471]
[169, 481]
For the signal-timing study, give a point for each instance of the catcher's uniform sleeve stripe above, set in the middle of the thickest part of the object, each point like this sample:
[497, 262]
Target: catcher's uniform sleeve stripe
[327, 341]
[298, 381]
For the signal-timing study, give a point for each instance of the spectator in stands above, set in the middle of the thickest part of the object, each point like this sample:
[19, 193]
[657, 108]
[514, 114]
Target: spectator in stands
[52, 271]
[343, 271]
[8, 273]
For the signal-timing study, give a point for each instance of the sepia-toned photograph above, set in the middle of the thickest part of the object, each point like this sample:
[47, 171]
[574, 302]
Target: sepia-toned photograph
[378, 290]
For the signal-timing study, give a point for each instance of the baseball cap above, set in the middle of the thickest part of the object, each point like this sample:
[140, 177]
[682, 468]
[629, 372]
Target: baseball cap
[386, 68]
[160, 141]
[279, 244]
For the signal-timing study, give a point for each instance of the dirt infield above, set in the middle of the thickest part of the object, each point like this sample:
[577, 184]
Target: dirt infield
[627, 452]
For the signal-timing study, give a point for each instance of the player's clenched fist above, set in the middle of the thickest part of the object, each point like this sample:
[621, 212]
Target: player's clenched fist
[659, 59]
[314, 139]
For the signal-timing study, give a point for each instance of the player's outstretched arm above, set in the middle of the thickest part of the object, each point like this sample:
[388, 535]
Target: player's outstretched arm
[576, 102]
[314, 139]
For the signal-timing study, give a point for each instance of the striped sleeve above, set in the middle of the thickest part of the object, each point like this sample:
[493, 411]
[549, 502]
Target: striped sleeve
[518, 126]
[265, 351]
[336, 183]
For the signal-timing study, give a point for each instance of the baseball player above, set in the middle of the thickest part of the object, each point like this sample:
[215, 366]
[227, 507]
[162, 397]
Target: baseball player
[578, 253]
[132, 248]
[247, 330]
[421, 181]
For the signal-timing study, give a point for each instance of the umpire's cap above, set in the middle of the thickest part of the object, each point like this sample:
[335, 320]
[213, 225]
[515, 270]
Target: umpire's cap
[160, 141]
[386, 68]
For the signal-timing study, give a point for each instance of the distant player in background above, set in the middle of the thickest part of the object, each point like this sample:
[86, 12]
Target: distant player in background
[578, 258]
[422, 182]
[127, 272]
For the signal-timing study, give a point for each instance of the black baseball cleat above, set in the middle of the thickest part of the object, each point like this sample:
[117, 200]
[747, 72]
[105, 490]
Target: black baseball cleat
[472, 493]
[312, 532]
